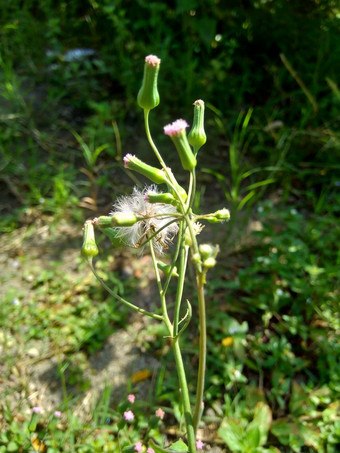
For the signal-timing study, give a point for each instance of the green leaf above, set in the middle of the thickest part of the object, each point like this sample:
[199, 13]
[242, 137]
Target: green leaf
[178, 446]
[232, 432]
[252, 438]
[12, 446]
[262, 420]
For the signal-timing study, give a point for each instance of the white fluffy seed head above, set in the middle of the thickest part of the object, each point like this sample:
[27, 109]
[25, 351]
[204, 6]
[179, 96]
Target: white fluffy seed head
[156, 217]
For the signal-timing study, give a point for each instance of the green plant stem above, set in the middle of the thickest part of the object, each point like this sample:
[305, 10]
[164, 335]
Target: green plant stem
[165, 316]
[202, 350]
[120, 299]
[152, 144]
[171, 179]
[191, 438]
[183, 259]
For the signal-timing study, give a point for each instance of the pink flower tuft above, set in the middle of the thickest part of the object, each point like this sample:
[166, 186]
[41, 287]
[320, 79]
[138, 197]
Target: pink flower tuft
[175, 128]
[199, 445]
[57, 414]
[152, 60]
[129, 416]
[138, 446]
[127, 159]
[37, 410]
[160, 413]
[150, 450]
[131, 398]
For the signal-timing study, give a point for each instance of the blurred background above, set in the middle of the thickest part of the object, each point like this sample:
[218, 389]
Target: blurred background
[268, 72]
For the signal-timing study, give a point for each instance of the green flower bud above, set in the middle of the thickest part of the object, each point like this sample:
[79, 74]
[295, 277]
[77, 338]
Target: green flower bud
[206, 251]
[223, 215]
[176, 132]
[154, 174]
[166, 198]
[118, 219]
[148, 96]
[209, 263]
[121, 219]
[197, 136]
[89, 249]
[104, 221]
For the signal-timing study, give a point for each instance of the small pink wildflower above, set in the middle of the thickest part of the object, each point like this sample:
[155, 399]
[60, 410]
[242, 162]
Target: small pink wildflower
[152, 60]
[150, 450]
[160, 413]
[129, 416]
[131, 398]
[57, 414]
[37, 410]
[175, 128]
[138, 446]
[199, 445]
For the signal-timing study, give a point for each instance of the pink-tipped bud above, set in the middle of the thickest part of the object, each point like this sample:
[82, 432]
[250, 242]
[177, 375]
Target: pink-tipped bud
[154, 174]
[148, 96]
[177, 133]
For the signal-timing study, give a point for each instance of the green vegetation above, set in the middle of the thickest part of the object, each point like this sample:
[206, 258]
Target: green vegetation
[69, 76]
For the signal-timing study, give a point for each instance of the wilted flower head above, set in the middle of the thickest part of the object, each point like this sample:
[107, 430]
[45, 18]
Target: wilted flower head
[155, 218]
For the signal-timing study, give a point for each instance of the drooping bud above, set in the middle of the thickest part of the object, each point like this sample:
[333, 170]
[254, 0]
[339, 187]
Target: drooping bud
[197, 136]
[89, 248]
[148, 96]
[177, 133]
[154, 174]
[155, 197]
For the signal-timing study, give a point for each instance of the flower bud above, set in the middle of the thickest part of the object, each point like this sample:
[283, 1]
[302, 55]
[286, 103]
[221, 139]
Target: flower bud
[148, 96]
[209, 263]
[176, 132]
[155, 197]
[197, 136]
[154, 174]
[104, 221]
[89, 249]
[206, 251]
[123, 219]
[223, 215]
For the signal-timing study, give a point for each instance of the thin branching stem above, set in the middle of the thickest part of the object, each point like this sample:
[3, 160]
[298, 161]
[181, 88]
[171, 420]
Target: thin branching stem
[120, 299]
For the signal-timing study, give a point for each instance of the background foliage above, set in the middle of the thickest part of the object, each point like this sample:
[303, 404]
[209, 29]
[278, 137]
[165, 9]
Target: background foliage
[269, 74]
